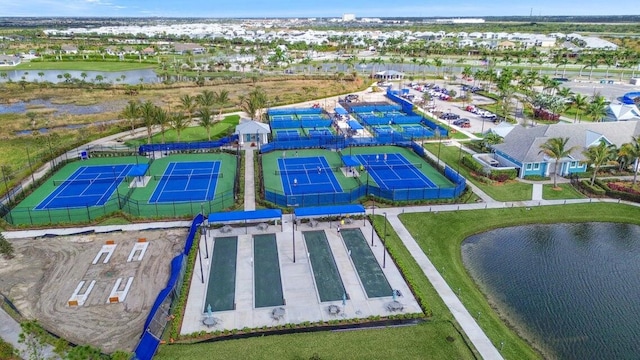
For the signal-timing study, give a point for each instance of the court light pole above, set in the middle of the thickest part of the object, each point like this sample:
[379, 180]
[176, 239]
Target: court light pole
[113, 168]
[373, 214]
[384, 243]
[204, 232]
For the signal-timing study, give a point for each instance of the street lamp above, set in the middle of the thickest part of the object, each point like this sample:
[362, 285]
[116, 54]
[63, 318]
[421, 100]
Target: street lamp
[373, 214]
[384, 243]
[204, 231]
[293, 231]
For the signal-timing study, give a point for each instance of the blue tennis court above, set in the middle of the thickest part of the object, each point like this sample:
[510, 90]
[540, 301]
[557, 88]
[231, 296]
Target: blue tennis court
[87, 186]
[320, 132]
[282, 117]
[417, 130]
[187, 182]
[288, 134]
[307, 175]
[394, 171]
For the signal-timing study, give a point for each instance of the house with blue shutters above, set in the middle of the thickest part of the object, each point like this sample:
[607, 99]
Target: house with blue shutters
[521, 146]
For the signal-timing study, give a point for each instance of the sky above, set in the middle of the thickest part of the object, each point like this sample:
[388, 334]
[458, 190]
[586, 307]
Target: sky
[312, 8]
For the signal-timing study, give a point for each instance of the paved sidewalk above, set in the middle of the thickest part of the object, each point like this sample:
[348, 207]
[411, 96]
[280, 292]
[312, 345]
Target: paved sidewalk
[466, 321]
[537, 192]
[10, 332]
[249, 180]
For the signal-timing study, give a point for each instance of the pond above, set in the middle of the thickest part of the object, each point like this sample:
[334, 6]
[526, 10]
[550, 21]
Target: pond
[571, 288]
[131, 77]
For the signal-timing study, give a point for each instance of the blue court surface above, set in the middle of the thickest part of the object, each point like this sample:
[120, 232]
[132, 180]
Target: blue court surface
[87, 186]
[307, 175]
[394, 172]
[417, 130]
[288, 134]
[187, 182]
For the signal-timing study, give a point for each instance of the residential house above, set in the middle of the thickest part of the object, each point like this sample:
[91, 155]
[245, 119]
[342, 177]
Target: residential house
[194, 49]
[622, 112]
[9, 60]
[69, 49]
[521, 146]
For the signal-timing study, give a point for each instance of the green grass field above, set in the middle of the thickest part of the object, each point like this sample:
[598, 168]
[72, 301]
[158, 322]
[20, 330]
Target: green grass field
[441, 242]
[511, 191]
[82, 65]
[564, 191]
[191, 134]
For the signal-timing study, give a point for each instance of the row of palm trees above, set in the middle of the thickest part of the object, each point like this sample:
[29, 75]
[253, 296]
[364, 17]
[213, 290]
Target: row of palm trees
[625, 156]
[202, 106]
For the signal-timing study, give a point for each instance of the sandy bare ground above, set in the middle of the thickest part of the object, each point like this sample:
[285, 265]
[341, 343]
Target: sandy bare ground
[45, 272]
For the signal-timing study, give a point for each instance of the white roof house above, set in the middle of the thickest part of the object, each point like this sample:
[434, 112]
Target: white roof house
[622, 112]
[253, 132]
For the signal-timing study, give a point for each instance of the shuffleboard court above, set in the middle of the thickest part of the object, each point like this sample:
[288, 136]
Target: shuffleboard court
[221, 289]
[88, 186]
[266, 271]
[325, 272]
[187, 182]
[373, 280]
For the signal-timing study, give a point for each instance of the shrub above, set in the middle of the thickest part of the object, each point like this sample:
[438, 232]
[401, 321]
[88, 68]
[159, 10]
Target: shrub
[595, 189]
[6, 248]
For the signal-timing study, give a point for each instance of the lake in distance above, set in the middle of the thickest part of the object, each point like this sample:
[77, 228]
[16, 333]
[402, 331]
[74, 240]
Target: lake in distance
[573, 289]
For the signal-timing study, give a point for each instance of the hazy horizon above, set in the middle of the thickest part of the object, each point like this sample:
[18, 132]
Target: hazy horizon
[326, 8]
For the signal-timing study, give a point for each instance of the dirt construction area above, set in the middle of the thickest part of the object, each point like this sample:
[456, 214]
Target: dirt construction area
[122, 272]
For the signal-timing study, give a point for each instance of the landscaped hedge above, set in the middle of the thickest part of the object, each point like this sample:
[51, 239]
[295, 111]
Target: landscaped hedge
[618, 192]
[493, 174]
[594, 189]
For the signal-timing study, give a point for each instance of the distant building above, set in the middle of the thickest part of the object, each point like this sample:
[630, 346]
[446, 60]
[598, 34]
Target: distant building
[348, 17]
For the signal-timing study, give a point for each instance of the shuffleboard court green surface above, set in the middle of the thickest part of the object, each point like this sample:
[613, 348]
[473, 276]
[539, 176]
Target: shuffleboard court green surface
[266, 270]
[221, 290]
[325, 271]
[369, 271]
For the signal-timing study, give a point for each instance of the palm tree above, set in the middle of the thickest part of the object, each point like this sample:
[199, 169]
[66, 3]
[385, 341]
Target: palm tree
[148, 113]
[221, 99]
[555, 148]
[179, 123]
[597, 111]
[579, 102]
[188, 104]
[437, 62]
[597, 156]
[632, 152]
[162, 119]
[131, 112]
[206, 99]
[592, 63]
[205, 120]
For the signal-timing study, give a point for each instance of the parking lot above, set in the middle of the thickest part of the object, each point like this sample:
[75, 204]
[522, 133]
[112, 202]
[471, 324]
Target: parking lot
[476, 123]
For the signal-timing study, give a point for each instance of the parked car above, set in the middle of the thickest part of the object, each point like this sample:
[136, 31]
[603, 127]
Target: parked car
[351, 97]
[463, 123]
[449, 116]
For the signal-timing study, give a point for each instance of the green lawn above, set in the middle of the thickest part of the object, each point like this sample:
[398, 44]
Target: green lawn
[195, 133]
[427, 340]
[511, 191]
[441, 242]
[82, 65]
[564, 191]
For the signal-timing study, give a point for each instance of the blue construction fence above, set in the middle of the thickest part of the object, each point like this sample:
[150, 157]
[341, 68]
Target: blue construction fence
[185, 146]
[158, 316]
[336, 142]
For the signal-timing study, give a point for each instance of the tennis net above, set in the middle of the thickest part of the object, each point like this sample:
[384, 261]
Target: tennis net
[393, 166]
[306, 171]
[187, 177]
[68, 182]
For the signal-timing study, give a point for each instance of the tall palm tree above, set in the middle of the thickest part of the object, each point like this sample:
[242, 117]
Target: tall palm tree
[597, 111]
[131, 112]
[162, 119]
[206, 99]
[178, 123]
[596, 156]
[437, 62]
[205, 120]
[148, 113]
[592, 63]
[579, 101]
[555, 148]
[221, 99]
[632, 152]
[188, 104]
